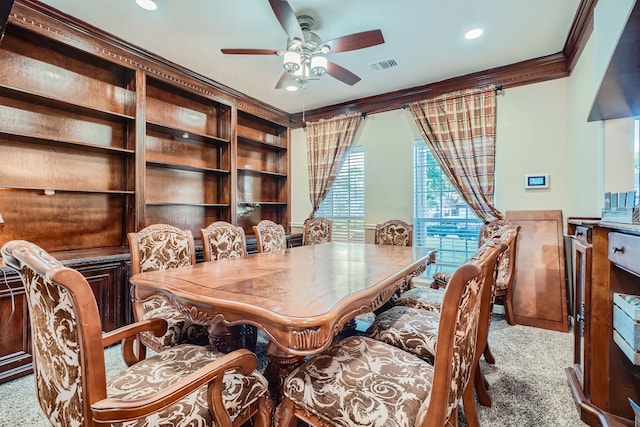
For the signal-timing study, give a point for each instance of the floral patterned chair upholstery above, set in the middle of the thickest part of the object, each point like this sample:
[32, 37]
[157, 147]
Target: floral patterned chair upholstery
[270, 236]
[417, 331]
[184, 385]
[363, 382]
[159, 247]
[317, 230]
[222, 240]
[394, 232]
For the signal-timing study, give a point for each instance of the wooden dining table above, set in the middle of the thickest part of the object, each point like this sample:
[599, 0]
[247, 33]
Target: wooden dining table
[301, 298]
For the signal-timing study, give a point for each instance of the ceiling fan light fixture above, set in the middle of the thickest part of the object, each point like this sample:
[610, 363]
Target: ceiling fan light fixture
[319, 65]
[291, 61]
[147, 4]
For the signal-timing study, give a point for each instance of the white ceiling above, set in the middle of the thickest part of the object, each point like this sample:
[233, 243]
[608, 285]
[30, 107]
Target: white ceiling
[425, 37]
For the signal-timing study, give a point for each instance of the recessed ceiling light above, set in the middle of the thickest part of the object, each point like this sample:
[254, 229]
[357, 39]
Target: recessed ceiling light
[147, 4]
[473, 34]
[292, 88]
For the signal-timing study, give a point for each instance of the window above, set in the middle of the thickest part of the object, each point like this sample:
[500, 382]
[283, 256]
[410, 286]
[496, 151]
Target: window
[441, 217]
[345, 202]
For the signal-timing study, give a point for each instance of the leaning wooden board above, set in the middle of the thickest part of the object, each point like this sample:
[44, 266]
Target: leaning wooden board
[539, 288]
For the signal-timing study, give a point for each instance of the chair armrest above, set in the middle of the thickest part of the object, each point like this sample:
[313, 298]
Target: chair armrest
[118, 410]
[157, 326]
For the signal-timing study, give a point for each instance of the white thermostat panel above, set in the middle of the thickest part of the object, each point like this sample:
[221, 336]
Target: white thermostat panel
[539, 180]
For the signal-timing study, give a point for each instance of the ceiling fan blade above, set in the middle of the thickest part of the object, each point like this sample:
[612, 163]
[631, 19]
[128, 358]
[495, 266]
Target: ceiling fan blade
[342, 74]
[250, 52]
[285, 80]
[287, 19]
[356, 41]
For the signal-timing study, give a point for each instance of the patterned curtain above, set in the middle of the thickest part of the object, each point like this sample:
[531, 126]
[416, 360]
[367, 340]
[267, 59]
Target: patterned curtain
[460, 130]
[327, 144]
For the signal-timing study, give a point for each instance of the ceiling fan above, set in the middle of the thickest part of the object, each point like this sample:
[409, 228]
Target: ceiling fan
[305, 58]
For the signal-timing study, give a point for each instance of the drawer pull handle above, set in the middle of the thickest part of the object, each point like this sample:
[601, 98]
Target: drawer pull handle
[579, 233]
[616, 249]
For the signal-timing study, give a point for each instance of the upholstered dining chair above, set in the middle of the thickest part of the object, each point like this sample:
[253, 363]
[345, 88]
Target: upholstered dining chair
[360, 381]
[426, 298]
[417, 331]
[184, 385]
[430, 298]
[317, 229]
[159, 247]
[222, 240]
[394, 232]
[270, 236]
[503, 291]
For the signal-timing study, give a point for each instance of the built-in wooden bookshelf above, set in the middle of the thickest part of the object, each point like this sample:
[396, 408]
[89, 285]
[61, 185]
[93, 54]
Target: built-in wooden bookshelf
[188, 158]
[98, 139]
[262, 172]
[66, 119]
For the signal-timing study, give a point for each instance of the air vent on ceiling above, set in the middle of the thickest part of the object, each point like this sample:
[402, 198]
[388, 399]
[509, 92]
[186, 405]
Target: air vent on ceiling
[384, 64]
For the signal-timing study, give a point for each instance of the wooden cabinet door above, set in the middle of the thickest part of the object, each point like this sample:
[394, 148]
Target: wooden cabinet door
[15, 343]
[539, 288]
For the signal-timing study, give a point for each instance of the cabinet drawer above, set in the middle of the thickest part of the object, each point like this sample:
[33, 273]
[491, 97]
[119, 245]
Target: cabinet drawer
[624, 251]
[583, 234]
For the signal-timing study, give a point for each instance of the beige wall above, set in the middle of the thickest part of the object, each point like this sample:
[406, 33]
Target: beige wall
[541, 128]
[531, 138]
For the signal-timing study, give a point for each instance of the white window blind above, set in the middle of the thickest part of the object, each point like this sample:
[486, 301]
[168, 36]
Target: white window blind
[345, 202]
[442, 219]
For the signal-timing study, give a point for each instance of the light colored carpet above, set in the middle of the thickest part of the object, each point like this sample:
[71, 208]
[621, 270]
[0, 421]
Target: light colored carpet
[527, 384]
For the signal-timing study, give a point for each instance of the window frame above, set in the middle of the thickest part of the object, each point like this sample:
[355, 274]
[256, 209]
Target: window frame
[348, 224]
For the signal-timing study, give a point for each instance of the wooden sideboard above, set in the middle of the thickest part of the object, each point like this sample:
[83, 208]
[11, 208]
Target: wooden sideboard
[602, 377]
[107, 270]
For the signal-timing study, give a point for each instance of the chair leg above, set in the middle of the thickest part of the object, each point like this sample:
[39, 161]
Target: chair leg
[263, 417]
[508, 310]
[488, 356]
[284, 416]
[481, 385]
[469, 406]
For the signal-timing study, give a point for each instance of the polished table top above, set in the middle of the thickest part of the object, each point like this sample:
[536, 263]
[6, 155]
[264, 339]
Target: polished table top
[300, 298]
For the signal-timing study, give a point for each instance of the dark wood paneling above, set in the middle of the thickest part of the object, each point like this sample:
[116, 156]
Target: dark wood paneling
[15, 346]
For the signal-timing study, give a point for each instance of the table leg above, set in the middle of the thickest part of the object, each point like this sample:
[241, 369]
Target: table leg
[226, 339]
[280, 365]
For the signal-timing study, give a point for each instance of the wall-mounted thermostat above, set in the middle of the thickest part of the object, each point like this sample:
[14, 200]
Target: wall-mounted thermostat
[539, 180]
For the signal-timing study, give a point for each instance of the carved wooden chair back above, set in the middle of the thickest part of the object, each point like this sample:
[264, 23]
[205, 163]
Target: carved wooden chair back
[394, 232]
[459, 336]
[223, 240]
[317, 230]
[270, 236]
[160, 247]
[69, 365]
